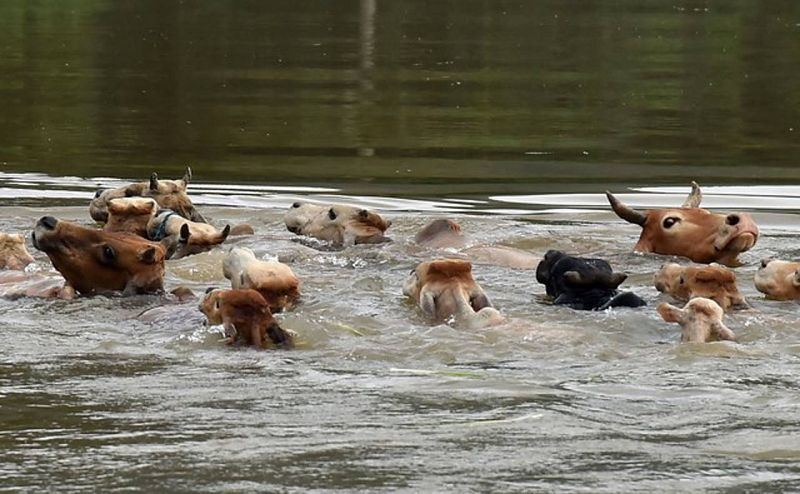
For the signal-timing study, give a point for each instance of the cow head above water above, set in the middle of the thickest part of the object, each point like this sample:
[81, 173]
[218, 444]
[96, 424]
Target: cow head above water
[779, 280]
[183, 237]
[583, 283]
[130, 215]
[94, 261]
[169, 194]
[445, 288]
[700, 321]
[712, 282]
[245, 317]
[338, 224]
[691, 231]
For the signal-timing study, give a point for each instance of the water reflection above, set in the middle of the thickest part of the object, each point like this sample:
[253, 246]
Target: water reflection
[455, 97]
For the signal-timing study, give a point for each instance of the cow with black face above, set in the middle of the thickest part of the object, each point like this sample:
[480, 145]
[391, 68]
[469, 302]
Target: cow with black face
[583, 283]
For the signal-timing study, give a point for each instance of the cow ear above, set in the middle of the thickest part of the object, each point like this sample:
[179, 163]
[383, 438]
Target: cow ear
[148, 256]
[478, 301]
[226, 231]
[615, 280]
[185, 233]
[722, 331]
[670, 313]
[279, 336]
[154, 181]
[796, 278]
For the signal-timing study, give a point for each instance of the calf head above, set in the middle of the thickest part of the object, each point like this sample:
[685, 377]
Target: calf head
[338, 223]
[779, 280]
[700, 320]
[183, 237]
[445, 288]
[712, 282]
[130, 215]
[690, 231]
[94, 261]
[13, 254]
[245, 317]
[169, 194]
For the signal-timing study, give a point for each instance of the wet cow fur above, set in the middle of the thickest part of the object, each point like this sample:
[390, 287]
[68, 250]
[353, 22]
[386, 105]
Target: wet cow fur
[687, 282]
[245, 317]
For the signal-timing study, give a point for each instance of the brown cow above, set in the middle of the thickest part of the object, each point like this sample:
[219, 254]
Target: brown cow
[93, 261]
[690, 231]
[183, 237]
[779, 280]
[445, 288]
[687, 282]
[700, 320]
[13, 254]
[245, 316]
[338, 224]
[275, 281]
[169, 194]
[130, 215]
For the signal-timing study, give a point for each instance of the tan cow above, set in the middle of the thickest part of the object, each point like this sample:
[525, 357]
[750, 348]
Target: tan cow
[444, 233]
[700, 320]
[779, 280]
[93, 261]
[690, 231]
[245, 317]
[169, 194]
[445, 289]
[687, 282]
[130, 215]
[184, 237]
[275, 281]
[338, 224]
[13, 254]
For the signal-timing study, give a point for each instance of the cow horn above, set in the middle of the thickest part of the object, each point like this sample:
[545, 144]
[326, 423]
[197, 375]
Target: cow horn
[613, 280]
[187, 175]
[154, 181]
[695, 197]
[626, 212]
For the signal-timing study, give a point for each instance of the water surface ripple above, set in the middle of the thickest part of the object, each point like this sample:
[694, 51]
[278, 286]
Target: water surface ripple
[378, 398]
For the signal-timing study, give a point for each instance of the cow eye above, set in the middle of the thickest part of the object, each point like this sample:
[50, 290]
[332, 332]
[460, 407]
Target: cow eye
[108, 253]
[668, 222]
[331, 214]
[296, 205]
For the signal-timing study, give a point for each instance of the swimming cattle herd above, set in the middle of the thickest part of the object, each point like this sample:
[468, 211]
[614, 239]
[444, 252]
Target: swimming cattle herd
[145, 224]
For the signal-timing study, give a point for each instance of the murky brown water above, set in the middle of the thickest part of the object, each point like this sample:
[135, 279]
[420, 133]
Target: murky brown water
[510, 117]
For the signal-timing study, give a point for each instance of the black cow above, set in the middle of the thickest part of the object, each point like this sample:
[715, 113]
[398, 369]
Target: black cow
[583, 284]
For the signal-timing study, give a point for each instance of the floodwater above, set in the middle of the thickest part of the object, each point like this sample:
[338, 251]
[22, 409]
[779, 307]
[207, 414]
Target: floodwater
[511, 118]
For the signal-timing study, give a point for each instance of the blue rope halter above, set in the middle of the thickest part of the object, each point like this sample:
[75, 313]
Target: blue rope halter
[161, 231]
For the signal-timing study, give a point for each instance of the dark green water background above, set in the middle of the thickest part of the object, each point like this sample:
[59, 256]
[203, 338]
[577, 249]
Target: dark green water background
[404, 97]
